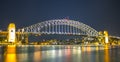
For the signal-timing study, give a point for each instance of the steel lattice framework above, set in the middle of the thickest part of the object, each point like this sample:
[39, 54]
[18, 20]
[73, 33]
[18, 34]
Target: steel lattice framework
[61, 26]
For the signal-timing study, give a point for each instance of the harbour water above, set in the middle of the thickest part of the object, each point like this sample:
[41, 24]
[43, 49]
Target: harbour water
[58, 53]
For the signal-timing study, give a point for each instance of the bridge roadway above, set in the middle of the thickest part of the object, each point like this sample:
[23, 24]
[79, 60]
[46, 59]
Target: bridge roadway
[5, 33]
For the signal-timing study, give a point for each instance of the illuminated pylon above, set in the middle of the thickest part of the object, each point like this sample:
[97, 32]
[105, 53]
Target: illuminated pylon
[106, 36]
[11, 32]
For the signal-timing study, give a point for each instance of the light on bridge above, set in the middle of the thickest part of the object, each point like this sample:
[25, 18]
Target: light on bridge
[106, 36]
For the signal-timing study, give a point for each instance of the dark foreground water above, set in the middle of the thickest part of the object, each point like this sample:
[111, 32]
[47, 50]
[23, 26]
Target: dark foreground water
[57, 53]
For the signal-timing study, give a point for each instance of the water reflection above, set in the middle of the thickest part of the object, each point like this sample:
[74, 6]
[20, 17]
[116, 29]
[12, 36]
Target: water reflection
[37, 55]
[10, 54]
[107, 57]
[14, 53]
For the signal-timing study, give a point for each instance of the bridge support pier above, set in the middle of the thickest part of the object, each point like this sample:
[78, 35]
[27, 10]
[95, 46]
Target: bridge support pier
[11, 33]
[26, 38]
[106, 37]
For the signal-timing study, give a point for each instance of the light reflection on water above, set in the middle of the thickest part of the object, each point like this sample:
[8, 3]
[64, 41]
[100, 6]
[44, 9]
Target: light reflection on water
[57, 53]
[10, 54]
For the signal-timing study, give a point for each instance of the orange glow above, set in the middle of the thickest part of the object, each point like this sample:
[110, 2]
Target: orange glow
[88, 49]
[106, 47]
[107, 56]
[10, 55]
[37, 55]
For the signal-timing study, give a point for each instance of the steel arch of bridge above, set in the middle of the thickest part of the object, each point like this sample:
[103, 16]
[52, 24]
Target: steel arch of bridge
[61, 26]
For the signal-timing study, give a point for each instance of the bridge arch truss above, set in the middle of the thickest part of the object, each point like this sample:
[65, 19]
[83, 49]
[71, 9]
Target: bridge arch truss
[61, 26]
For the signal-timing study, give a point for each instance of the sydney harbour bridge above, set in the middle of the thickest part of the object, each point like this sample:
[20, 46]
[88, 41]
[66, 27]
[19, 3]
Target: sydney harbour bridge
[61, 26]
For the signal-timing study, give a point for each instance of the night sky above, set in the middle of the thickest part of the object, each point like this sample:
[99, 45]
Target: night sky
[99, 14]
